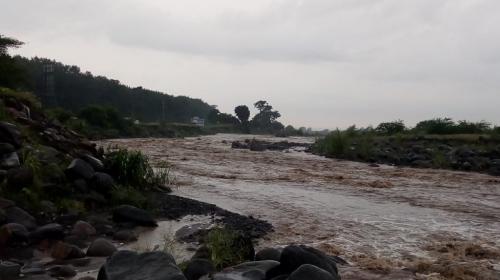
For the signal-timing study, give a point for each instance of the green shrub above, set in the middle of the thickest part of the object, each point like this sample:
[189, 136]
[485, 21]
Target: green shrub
[439, 160]
[228, 248]
[27, 98]
[335, 144]
[132, 168]
[391, 128]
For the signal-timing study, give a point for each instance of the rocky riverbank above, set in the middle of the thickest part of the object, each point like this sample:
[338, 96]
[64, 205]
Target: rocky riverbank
[465, 153]
[62, 216]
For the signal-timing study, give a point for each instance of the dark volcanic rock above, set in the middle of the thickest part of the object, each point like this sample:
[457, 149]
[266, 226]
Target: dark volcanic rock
[191, 233]
[102, 182]
[239, 145]
[268, 254]
[94, 162]
[101, 248]
[293, 257]
[79, 168]
[257, 146]
[9, 270]
[128, 265]
[308, 272]
[10, 160]
[19, 178]
[9, 133]
[246, 271]
[5, 203]
[197, 268]
[50, 231]
[65, 251]
[19, 216]
[6, 148]
[174, 207]
[65, 271]
[83, 230]
[131, 214]
[125, 235]
[13, 233]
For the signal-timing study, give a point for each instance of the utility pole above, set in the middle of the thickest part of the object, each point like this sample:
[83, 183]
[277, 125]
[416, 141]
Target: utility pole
[49, 94]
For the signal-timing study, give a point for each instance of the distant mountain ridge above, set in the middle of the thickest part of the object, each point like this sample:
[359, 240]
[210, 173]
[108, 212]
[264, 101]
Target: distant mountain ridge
[65, 86]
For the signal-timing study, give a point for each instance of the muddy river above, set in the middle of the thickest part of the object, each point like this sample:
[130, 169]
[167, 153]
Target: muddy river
[382, 219]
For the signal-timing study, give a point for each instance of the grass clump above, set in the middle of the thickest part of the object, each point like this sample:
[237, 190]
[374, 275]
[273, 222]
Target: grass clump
[228, 248]
[132, 168]
[27, 98]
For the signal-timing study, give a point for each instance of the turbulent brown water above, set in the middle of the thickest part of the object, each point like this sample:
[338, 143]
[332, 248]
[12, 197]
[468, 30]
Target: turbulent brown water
[378, 218]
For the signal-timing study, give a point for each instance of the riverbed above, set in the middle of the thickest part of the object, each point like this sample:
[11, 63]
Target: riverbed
[379, 218]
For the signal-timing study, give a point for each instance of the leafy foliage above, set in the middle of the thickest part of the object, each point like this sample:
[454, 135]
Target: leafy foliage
[242, 112]
[448, 126]
[132, 168]
[74, 90]
[391, 128]
[226, 247]
[266, 119]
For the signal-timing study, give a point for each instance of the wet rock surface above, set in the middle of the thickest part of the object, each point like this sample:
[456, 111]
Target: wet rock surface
[128, 265]
[134, 215]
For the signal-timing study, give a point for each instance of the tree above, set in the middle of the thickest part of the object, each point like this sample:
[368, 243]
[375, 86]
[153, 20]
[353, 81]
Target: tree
[11, 75]
[266, 119]
[391, 128]
[243, 113]
[7, 42]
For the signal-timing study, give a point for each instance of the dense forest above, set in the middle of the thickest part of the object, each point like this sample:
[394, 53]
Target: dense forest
[68, 87]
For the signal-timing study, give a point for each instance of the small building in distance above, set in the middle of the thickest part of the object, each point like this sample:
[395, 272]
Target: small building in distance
[198, 121]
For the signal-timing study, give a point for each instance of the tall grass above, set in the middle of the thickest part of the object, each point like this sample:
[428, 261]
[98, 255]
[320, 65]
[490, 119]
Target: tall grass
[132, 168]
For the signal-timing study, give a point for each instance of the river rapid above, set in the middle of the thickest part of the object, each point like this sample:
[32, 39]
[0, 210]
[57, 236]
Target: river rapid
[381, 219]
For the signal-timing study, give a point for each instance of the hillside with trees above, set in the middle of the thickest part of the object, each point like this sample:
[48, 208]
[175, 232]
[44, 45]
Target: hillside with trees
[65, 86]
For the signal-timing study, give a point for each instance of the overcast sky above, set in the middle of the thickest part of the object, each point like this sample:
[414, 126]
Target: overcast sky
[321, 63]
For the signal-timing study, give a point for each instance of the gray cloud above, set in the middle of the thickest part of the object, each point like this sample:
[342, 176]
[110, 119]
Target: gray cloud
[323, 63]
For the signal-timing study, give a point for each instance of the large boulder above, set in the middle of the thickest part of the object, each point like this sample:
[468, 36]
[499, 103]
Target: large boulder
[65, 251]
[19, 178]
[6, 148]
[308, 272]
[13, 233]
[246, 271]
[102, 182]
[101, 248]
[268, 254]
[294, 256]
[196, 268]
[19, 216]
[9, 133]
[128, 265]
[94, 162]
[79, 168]
[9, 270]
[125, 235]
[83, 230]
[64, 271]
[257, 146]
[134, 215]
[10, 160]
[5, 203]
[51, 231]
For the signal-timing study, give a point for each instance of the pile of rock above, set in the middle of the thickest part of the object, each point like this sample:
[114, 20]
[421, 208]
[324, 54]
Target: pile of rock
[70, 242]
[259, 145]
[292, 263]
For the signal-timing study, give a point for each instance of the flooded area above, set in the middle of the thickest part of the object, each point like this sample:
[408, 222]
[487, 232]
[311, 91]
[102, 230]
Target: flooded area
[376, 217]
